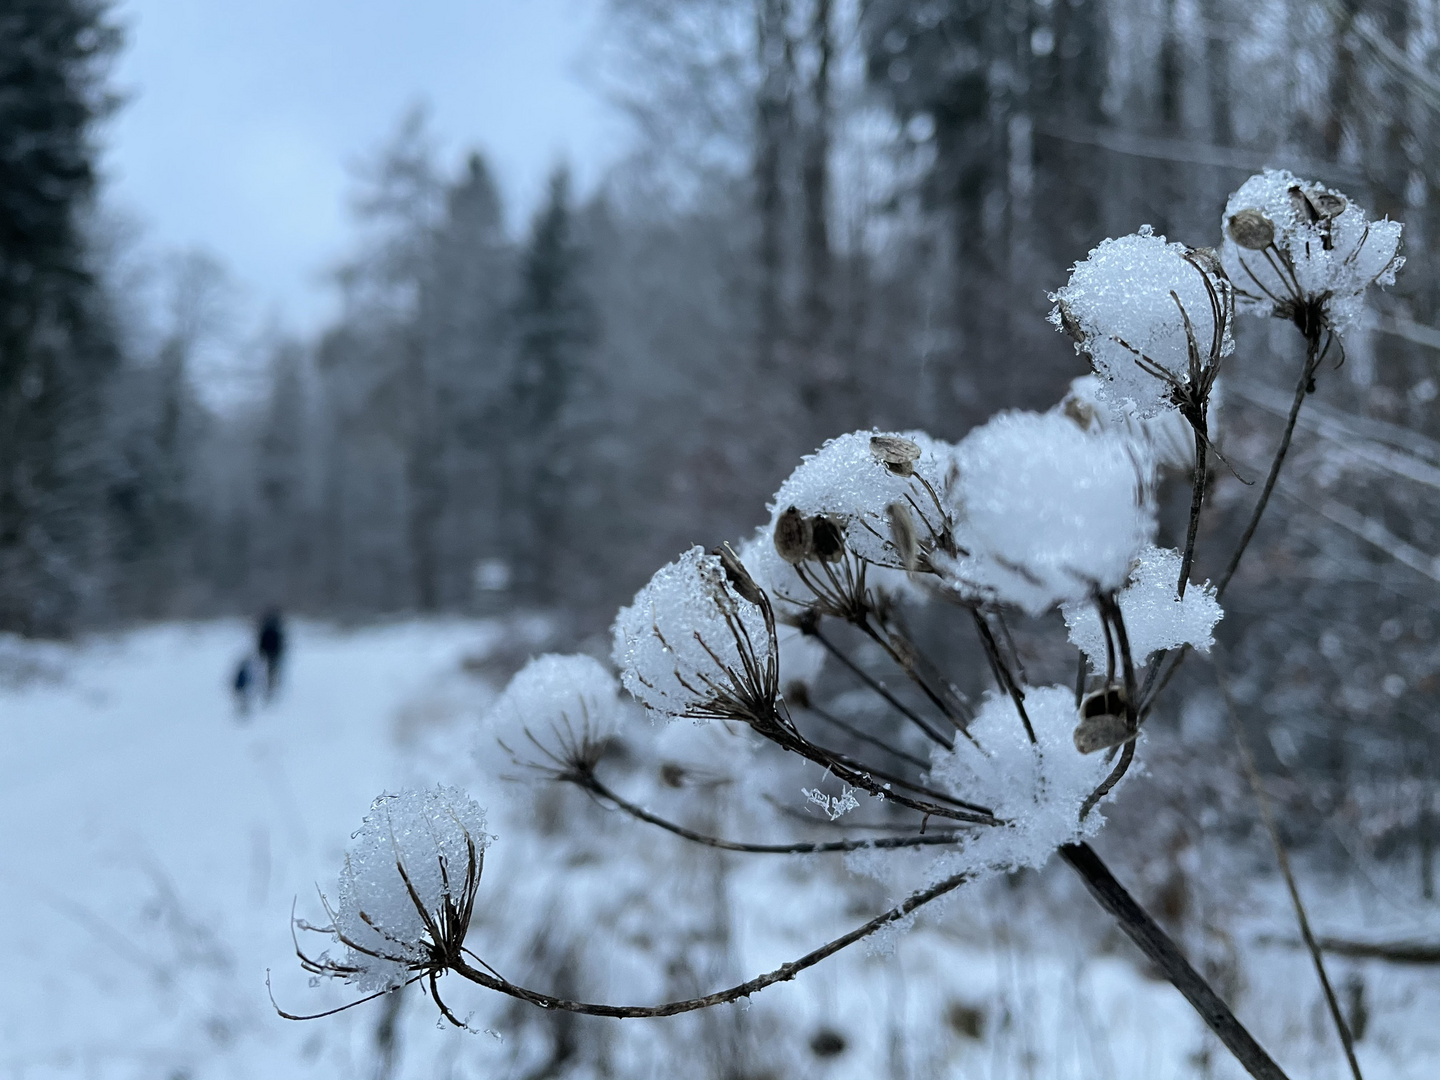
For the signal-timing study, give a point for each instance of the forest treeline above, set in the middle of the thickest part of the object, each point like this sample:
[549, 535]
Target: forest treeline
[836, 214]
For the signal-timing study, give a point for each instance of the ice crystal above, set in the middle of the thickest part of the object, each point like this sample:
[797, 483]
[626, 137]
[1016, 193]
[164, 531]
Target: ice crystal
[425, 837]
[1292, 246]
[1153, 316]
[1155, 618]
[690, 645]
[1047, 512]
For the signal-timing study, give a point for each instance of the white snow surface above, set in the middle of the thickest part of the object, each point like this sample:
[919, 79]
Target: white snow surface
[154, 847]
[437, 836]
[1359, 252]
[687, 637]
[1133, 295]
[1046, 511]
[1155, 617]
[553, 695]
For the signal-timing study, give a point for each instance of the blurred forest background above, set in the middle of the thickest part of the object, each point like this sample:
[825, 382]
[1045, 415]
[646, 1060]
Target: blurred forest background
[837, 214]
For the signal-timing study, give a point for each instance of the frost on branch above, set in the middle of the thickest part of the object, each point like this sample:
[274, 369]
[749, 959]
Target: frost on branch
[1153, 316]
[1294, 248]
[1164, 440]
[1155, 619]
[1036, 789]
[691, 645]
[853, 480]
[1047, 513]
[411, 872]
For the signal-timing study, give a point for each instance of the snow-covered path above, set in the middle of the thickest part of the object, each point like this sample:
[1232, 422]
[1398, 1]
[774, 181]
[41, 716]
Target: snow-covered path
[153, 844]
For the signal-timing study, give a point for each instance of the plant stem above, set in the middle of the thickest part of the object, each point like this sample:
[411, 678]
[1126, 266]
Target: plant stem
[1001, 671]
[1307, 374]
[784, 973]
[1163, 952]
[1197, 502]
[1252, 775]
[879, 688]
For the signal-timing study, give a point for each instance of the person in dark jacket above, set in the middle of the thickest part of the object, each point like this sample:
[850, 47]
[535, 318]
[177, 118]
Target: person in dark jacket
[270, 644]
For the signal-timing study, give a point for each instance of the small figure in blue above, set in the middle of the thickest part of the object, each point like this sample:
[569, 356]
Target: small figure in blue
[270, 645]
[243, 685]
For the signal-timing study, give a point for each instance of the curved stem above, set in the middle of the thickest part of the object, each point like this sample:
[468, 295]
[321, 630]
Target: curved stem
[784, 973]
[875, 685]
[1312, 361]
[800, 848]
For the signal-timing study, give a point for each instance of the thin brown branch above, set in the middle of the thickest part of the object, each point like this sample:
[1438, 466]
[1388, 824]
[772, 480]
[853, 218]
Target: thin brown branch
[879, 688]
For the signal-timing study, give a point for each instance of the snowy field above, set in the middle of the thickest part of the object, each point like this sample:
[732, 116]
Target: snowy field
[154, 845]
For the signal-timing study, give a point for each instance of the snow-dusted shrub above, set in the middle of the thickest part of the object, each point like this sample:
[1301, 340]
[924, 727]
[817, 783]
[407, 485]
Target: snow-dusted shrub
[1303, 252]
[408, 885]
[1028, 512]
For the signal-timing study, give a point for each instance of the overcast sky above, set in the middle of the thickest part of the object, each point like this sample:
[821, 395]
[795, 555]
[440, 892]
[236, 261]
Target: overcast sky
[244, 116]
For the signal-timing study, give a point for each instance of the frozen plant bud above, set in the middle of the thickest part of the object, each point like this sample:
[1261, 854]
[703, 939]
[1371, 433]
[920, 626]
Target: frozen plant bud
[1047, 513]
[794, 536]
[1154, 318]
[1103, 721]
[1300, 251]
[902, 534]
[1154, 618]
[691, 645]
[895, 453]
[800, 656]
[408, 887]
[736, 574]
[1251, 229]
[851, 480]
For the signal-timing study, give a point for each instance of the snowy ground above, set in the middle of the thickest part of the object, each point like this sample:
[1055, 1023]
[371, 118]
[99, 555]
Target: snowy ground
[153, 846]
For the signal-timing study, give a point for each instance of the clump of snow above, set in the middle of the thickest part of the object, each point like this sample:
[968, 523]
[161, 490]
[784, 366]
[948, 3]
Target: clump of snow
[690, 640]
[1155, 617]
[849, 481]
[556, 693]
[1047, 512]
[1135, 305]
[429, 834]
[1037, 789]
[1165, 440]
[1321, 248]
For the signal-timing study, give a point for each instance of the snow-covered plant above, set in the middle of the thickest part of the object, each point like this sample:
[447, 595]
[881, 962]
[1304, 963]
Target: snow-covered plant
[1154, 318]
[1155, 618]
[1047, 513]
[1027, 513]
[699, 642]
[407, 891]
[1300, 251]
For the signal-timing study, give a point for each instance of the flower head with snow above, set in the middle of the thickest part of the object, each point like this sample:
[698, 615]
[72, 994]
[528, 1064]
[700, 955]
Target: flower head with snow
[1162, 441]
[699, 642]
[408, 889]
[565, 708]
[1046, 513]
[1155, 618]
[1154, 318]
[1303, 252]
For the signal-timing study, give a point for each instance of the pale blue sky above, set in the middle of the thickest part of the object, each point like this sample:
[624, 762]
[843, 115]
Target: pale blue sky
[244, 115]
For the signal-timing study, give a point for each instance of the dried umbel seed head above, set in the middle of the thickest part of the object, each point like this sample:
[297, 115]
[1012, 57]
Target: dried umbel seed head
[896, 454]
[902, 534]
[794, 536]
[738, 577]
[1251, 229]
[1103, 721]
[829, 539]
[1316, 204]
